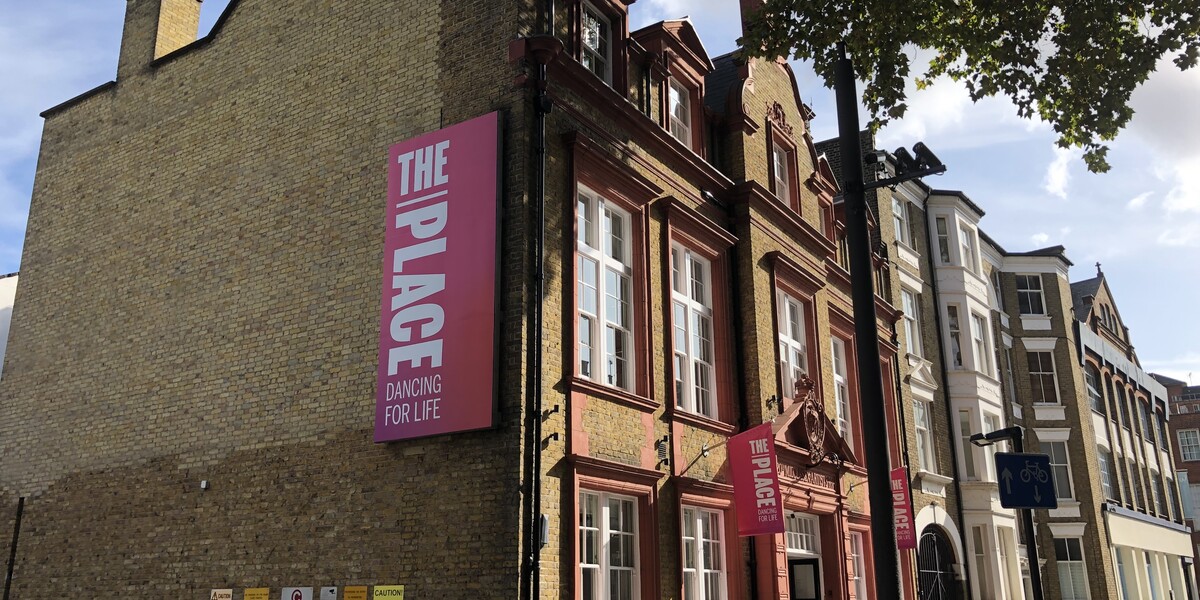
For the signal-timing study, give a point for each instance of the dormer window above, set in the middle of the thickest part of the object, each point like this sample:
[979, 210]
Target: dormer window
[596, 38]
[680, 108]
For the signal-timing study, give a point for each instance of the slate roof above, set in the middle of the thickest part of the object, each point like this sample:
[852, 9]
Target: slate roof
[719, 83]
[1081, 290]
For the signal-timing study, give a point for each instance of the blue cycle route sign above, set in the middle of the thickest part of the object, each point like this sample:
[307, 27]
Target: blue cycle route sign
[1025, 480]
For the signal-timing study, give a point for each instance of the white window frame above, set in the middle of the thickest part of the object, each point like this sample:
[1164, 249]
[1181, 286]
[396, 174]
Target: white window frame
[604, 536]
[900, 221]
[942, 230]
[967, 245]
[793, 341]
[911, 304]
[970, 469]
[693, 557]
[924, 425]
[598, 58]
[1030, 293]
[859, 579]
[1189, 444]
[980, 539]
[695, 376]
[1071, 568]
[595, 245]
[1091, 381]
[1104, 459]
[981, 343]
[954, 331]
[802, 534]
[992, 423]
[1052, 375]
[841, 389]
[998, 289]
[1060, 463]
[679, 111]
[781, 168]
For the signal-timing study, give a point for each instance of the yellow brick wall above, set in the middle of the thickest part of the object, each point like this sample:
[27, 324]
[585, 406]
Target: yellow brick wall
[200, 301]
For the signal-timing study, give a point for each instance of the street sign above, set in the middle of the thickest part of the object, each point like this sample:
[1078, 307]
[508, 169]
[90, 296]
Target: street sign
[1025, 480]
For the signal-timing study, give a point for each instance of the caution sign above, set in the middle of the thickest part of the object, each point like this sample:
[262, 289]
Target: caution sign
[221, 595]
[390, 592]
[354, 592]
[256, 594]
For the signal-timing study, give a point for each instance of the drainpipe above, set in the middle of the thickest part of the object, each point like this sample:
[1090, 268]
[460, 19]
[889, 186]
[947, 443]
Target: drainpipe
[744, 418]
[937, 321]
[12, 551]
[536, 520]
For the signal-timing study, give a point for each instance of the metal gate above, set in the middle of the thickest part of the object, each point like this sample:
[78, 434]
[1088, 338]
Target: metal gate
[935, 566]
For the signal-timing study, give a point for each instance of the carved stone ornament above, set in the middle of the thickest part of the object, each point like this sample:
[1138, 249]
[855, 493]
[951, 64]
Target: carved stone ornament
[777, 117]
[812, 413]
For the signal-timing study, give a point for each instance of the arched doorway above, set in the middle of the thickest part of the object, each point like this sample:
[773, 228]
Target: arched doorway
[935, 566]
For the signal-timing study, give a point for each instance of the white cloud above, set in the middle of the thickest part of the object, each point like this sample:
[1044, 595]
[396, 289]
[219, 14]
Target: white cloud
[1138, 201]
[1058, 175]
[1179, 237]
[1039, 239]
[1184, 195]
[1177, 367]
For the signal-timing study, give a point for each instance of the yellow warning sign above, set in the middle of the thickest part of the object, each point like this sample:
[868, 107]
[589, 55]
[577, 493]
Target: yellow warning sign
[256, 594]
[390, 592]
[354, 592]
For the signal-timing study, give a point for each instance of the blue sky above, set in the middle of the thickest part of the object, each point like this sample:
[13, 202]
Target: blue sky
[1141, 220]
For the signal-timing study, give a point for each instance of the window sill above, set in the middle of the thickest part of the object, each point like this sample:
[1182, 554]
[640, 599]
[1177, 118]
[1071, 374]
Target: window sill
[703, 422]
[1035, 322]
[1049, 412]
[933, 483]
[618, 395]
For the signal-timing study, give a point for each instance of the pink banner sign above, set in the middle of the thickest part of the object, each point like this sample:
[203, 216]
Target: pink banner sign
[756, 482]
[906, 535]
[437, 336]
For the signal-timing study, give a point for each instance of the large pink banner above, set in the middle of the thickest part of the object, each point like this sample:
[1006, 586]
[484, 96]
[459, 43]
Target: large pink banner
[906, 534]
[756, 482]
[437, 331]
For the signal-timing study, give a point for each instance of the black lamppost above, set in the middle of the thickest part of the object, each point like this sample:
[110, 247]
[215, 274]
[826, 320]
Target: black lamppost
[870, 382]
[1016, 434]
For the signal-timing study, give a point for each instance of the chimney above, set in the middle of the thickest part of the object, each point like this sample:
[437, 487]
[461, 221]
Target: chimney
[749, 7]
[154, 28]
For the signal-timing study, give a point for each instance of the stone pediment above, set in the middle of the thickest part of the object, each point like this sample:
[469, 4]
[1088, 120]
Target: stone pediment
[804, 424]
[920, 375]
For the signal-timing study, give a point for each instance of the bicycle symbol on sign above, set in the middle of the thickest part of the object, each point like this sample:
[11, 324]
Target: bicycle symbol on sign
[1034, 471]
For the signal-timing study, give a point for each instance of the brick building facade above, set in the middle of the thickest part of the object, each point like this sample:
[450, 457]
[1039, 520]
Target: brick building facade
[1184, 435]
[206, 234]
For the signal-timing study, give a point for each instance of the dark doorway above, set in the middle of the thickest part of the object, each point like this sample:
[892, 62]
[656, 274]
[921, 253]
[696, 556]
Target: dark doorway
[935, 566]
[804, 578]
